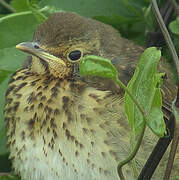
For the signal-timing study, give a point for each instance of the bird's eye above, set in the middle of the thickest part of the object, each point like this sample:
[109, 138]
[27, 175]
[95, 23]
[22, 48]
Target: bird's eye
[75, 55]
[36, 47]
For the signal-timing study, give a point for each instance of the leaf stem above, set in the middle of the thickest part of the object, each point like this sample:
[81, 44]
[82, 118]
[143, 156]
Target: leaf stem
[133, 153]
[34, 8]
[20, 14]
[141, 135]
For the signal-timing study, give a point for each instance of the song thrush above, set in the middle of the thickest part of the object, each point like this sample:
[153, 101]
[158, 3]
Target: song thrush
[64, 126]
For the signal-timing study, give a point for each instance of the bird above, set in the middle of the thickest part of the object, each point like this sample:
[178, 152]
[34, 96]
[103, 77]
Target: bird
[64, 126]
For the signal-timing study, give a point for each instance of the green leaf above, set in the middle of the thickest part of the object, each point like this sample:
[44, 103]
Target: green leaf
[90, 8]
[149, 18]
[176, 112]
[144, 86]
[174, 26]
[9, 177]
[133, 7]
[177, 174]
[4, 74]
[12, 32]
[3, 87]
[36, 11]
[19, 5]
[155, 117]
[11, 59]
[5, 165]
[97, 66]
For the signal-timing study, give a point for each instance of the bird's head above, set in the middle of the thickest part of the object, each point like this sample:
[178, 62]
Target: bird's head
[60, 43]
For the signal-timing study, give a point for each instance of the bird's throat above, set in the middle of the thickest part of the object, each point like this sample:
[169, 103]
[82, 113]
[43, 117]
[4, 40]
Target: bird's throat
[40, 66]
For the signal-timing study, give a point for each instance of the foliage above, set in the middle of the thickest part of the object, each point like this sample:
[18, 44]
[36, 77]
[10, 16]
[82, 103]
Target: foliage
[144, 86]
[143, 100]
[132, 18]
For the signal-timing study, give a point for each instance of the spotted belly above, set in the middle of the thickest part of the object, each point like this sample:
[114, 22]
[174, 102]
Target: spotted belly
[64, 130]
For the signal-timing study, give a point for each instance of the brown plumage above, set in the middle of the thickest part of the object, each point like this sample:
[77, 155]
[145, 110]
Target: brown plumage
[63, 126]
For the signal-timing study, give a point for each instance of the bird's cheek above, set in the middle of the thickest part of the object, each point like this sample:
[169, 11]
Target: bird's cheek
[60, 71]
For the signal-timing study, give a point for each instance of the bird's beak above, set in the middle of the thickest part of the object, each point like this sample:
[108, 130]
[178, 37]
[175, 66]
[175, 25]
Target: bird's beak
[34, 49]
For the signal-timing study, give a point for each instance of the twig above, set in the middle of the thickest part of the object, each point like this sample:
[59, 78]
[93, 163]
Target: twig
[156, 38]
[175, 107]
[7, 6]
[166, 36]
[176, 62]
[172, 154]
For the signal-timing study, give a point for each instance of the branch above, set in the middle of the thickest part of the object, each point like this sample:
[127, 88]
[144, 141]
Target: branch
[166, 36]
[172, 154]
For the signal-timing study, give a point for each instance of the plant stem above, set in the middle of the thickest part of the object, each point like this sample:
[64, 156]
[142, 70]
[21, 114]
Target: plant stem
[133, 153]
[172, 153]
[176, 62]
[141, 135]
[7, 6]
[166, 36]
[20, 14]
[175, 108]
[35, 11]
